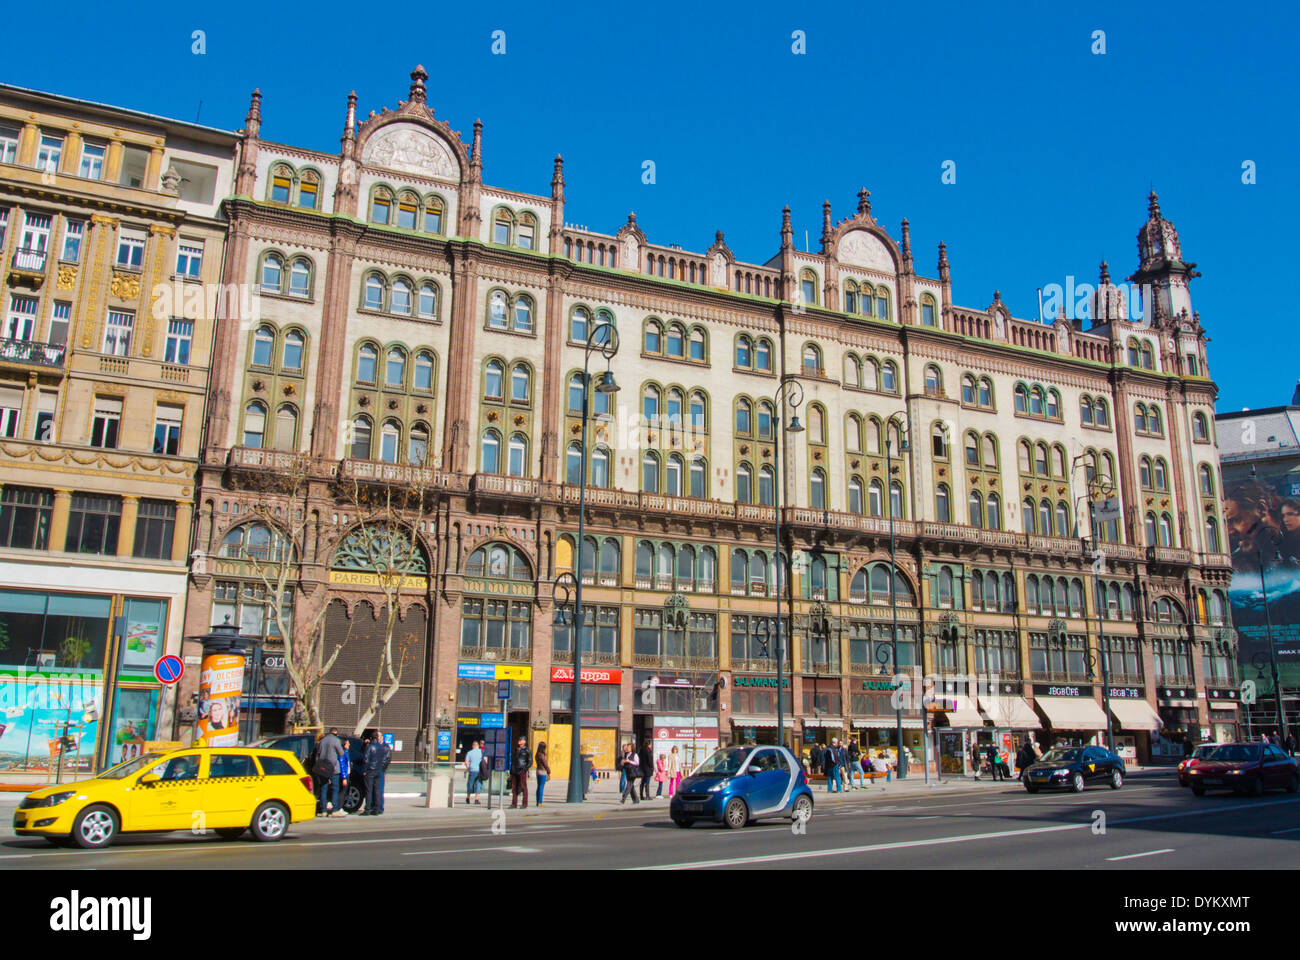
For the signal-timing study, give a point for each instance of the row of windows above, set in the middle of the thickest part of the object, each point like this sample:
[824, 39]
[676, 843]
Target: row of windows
[673, 340]
[296, 188]
[864, 300]
[406, 209]
[91, 165]
[1037, 402]
[1153, 473]
[977, 393]
[1039, 460]
[1140, 354]
[400, 295]
[398, 367]
[94, 522]
[1147, 421]
[870, 374]
[1094, 411]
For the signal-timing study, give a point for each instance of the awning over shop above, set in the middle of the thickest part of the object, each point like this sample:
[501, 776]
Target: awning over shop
[1072, 713]
[760, 722]
[1183, 704]
[886, 723]
[1223, 705]
[1012, 712]
[965, 714]
[833, 722]
[1136, 715]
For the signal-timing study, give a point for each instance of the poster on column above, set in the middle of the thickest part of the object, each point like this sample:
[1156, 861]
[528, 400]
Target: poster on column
[220, 684]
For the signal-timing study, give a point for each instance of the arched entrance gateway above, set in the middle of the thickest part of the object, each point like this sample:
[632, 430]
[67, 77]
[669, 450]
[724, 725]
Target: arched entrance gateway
[378, 677]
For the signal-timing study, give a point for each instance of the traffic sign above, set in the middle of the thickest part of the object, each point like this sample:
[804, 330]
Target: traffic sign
[168, 669]
[503, 689]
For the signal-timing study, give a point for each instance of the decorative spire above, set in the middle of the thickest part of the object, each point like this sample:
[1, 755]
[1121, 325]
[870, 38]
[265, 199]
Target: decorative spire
[718, 239]
[943, 262]
[350, 126]
[418, 76]
[787, 231]
[826, 222]
[864, 202]
[997, 297]
[631, 218]
[557, 178]
[476, 150]
[1153, 205]
[1105, 273]
[907, 245]
[253, 122]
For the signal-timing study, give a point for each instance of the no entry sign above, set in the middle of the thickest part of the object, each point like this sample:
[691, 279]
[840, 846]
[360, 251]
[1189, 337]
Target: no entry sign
[168, 669]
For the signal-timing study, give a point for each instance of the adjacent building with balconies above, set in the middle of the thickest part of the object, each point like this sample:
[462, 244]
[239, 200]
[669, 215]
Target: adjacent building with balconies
[111, 239]
[423, 331]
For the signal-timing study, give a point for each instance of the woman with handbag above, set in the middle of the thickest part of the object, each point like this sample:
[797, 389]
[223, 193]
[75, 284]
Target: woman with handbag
[661, 774]
[673, 771]
[631, 764]
[543, 770]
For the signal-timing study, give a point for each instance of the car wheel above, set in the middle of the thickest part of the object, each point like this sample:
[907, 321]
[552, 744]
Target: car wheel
[230, 833]
[1293, 785]
[736, 814]
[1116, 779]
[1031, 787]
[95, 827]
[682, 821]
[803, 808]
[351, 798]
[270, 822]
[1198, 789]
[1257, 787]
[1076, 783]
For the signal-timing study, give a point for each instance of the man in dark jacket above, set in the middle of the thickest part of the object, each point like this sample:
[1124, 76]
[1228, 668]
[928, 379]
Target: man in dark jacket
[377, 757]
[815, 758]
[831, 763]
[647, 768]
[329, 754]
[519, 773]
[995, 762]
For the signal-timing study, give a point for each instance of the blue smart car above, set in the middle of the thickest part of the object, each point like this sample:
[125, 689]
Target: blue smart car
[737, 785]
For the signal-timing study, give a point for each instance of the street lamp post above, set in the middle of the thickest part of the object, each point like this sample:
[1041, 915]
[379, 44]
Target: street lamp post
[793, 397]
[903, 447]
[603, 338]
[1101, 486]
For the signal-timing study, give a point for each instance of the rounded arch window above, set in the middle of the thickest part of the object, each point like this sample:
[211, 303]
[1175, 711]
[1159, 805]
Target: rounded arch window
[263, 346]
[424, 371]
[518, 464]
[428, 301]
[494, 373]
[763, 355]
[367, 362]
[272, 272]
[374, 292]
[361, 438]
[300, 278]
[292, 354]
[499, 561]
[255, 424]
[286, 428]
[497, 309]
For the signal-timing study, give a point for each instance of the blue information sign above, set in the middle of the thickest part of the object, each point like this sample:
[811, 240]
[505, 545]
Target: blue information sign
[476, 671]
[503, 690]
[489, 721]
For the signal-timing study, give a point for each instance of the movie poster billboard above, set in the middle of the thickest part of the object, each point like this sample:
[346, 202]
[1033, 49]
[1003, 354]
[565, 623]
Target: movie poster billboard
[36, 716]
[1262, 516]
[221, 681]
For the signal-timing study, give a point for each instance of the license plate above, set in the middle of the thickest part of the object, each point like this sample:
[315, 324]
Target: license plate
[1213, 781]
[1039, 777]
[693, 807]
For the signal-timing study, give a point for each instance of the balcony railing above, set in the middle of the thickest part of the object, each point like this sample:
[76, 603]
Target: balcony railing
[760, 665]
[32, 352]
[1175, 680]
[589, 657]
[256, 457]
[1125, 679]
[29, 261]
[672, 661]
[401, 473]
[1169, 555]
[507, 654]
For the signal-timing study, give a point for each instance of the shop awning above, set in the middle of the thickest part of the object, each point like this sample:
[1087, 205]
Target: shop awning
[835, 723]
[1012, 712]
[1223, 705]
[964, 716]
[760, 722]
[886, 723]
[1183, 704]
[1072, 713]
[1136, 715]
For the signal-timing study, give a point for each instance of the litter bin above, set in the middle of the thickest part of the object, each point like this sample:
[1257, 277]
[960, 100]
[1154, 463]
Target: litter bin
[588, 764]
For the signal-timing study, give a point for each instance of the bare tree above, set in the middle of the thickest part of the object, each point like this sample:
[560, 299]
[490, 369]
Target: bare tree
[386, 541]
[284, 509]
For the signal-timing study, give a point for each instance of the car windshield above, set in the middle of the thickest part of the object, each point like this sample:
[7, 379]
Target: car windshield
[723, 763]
[1060, 754]
[1204, 751]
[1236, 752]
[130, 767]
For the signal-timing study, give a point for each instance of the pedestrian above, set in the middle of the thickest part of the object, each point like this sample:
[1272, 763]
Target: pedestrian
[1187, 748]
[345, 764]
[647, 768]
[523, 759]
[881, 765]
[378, 755]
[661, 774]
[1023, 759]
[543, 770]
[995, 762]
[472, 761]
[631, 765]
[326, 769]
[674, 771]
[975, 759]
[622, 775]
[1289, 745]
[816, 756]
[830, 762]
[855, 766]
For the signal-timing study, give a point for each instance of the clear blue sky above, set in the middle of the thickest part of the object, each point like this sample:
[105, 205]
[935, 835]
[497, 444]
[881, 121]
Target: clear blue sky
[1055, 147]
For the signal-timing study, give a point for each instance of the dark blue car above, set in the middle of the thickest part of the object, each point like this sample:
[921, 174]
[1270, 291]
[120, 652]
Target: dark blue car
[737, 785]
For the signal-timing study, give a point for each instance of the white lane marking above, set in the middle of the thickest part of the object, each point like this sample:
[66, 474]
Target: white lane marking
[941, 841]
[1274, 833]
[935, 817]
[544, 826]
[18, 856]
[428, 853]
[1149, 853]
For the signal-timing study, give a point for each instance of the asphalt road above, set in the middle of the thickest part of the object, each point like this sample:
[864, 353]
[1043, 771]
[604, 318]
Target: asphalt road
[1149, 824]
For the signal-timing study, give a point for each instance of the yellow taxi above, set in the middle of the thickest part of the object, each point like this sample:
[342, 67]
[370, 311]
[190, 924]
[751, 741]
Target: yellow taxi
[223, 789]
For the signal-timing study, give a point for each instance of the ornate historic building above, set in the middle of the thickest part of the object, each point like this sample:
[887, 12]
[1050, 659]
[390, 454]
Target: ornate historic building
[110, 242]
[422, 331]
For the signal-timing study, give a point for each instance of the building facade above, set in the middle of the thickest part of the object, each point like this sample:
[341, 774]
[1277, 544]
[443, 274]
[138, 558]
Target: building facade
[1261, 476]
[109, 226]
[420, 331]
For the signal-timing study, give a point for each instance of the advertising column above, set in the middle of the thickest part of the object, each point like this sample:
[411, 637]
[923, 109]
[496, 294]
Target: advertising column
[221, 682]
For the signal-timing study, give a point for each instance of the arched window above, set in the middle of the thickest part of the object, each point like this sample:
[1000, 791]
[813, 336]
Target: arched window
[994, 512]
[852, 370]
[254, 424]
[1053, 405]
[1153, 421]
[896, 500]
[875, 491]
[286, 428]
[1144, 473]
[673, 475]
[1151, 530]
[1040, 460]
[871, 374]
[1166, 530]
[939, 441]
[1140, 418]
[1062, 519]
[401, 297]
[1058, 462]
[390, 440]
[653, 337]
[1211, 535]
[674, 341]
[361, 438]
[501, 561]
[427, 304]
[1036, 401]
[1103, 413]
[374, 292]
[698, 347]
[650, 403]
[1029, 514]
[968, 389]
[812, 360]
[1134, 353]
[975, 510]
[491, 452]
[300, 278]
[1024, 457]
[518, 466]
[850, 297]
[766, 486]
[1200, 429]
[765, 419]
[291, 356]
[763, 355]
[526, 233]
[498, 309]
[990, 452]
[367, 364]
[1148, 361]
[417, 449]
[744, 484]
[744, 352]
[502, 226]
[933, 381]
[817, 488]
[699, 407]
[608, 564]
[743, 411]
[493, 386]
[573, 464]
[1160, 475]
[699, 478]
[889, 377]
[650, 472]
[855, 495]
[1045, 517]
[816, 424]
[942, 502]
[524, 314]
[985, 393]
[579, 324]
[972, 449]
[395, 369]
[686, 566]
[433, 211]
[1085, 411]
[872, 429]
[600, 468]
[1022, 398]
[928, 311]
[519, 383]
[808, 287]
[272, 272]
[263, 346]
[1205, 479]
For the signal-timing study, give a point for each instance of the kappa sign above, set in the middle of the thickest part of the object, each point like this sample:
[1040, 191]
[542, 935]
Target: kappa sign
[565, 675]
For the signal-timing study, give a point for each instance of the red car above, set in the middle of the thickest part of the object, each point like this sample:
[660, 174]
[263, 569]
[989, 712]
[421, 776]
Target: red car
[1245, 768]
[1200, 756]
